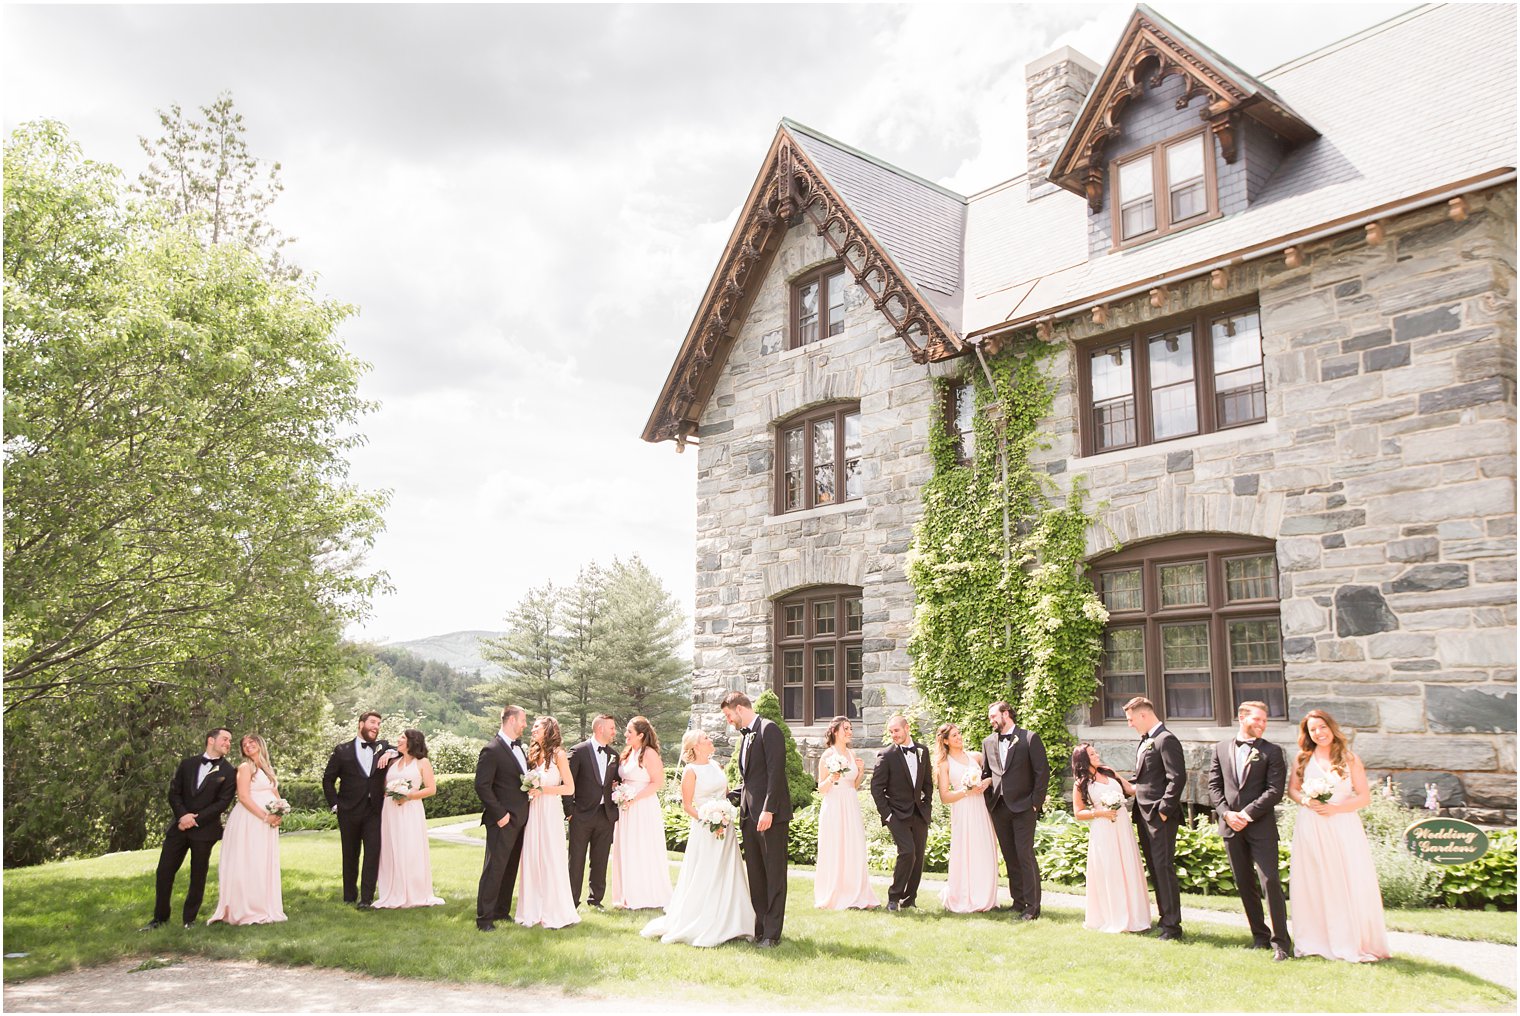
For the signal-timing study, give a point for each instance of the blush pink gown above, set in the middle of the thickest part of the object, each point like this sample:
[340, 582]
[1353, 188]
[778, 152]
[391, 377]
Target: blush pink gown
[841, 881]
[248, 875]
[544, 897]
[406, 867]
[1337, 905]
[638, 873]
[1116, 899]
[973, 883]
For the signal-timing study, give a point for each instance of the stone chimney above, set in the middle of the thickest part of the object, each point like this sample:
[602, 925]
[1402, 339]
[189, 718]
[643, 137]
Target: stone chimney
[1055, 86]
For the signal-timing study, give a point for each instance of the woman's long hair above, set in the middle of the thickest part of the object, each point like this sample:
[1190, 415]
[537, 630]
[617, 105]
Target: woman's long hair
[542, 748]
[1340, 752]
[1081, 768]
[942, 744]
[646, 731]
[264, 761]
[416, 744]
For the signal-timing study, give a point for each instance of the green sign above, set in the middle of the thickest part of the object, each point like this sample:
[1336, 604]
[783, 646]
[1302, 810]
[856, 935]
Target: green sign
[1446, 840]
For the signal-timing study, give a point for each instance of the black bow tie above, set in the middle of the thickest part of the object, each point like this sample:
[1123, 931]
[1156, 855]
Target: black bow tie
[607, 749]
[1239, 742]
[1006, 737]
[367, 744]
[746, 730]
[208, 761]
[907, 749]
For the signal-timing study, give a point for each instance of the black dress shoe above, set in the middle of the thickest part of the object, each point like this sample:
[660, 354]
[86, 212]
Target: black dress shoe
[596, 905]
[1029, 915]
[766, 943]
[1257, 944]
[189, 924]
[485, 926]
[153, 925]
[892, 906]
[1170, 935]
[366, 905]
[1279, 954]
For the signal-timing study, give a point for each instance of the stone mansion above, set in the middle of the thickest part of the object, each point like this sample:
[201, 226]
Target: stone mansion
[1283, 313]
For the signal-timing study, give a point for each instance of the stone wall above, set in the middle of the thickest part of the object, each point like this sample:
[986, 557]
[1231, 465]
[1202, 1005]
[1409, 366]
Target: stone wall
[1385, 472]
[746, 555]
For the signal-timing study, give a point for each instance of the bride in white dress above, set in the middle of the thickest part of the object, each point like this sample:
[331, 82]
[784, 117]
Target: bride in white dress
[710, 904]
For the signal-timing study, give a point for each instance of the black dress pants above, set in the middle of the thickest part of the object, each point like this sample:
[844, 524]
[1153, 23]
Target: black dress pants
[1260, 853]
[593, 830]
[1158, 843]
[498, 875]
[912, 838]
[1015, 836]
[765, 863]
[176, 846]
[360, 830]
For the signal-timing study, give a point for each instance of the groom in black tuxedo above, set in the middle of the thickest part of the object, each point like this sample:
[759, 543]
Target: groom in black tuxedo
[591, 811]
[1247, 776]
[1160, 777]
[765, 813]
[903, 787]
[499, 770]
[1015, 760]
[354, 785]
[202, 788]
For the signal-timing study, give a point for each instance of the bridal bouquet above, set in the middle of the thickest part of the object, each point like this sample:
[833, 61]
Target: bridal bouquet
[1318, 790]
[1111, 798]
[970, 778]
[532, 781]
[836, 765]
[623, 795]
[717, 815]
[279, 806]
[398, 790]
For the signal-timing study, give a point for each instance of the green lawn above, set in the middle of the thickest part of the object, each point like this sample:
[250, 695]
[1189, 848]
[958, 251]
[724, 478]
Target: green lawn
[77, 913]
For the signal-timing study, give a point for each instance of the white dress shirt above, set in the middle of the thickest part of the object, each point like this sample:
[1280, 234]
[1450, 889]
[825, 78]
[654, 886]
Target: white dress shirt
[365, 755]
[911, 757]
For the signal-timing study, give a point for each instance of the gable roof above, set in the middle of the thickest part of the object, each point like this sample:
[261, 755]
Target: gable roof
[899, 235]
[1150, 50]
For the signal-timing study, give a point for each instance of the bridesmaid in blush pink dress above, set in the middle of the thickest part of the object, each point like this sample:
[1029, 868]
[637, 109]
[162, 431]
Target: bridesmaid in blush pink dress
[248, 876]
[1116, 899]
[638, 877]
[841, 881]
[545, 896]
[973, 883]
[1337, 905]
[406, 867]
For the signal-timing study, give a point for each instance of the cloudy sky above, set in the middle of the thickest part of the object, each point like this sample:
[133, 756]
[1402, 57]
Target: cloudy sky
[527, 201]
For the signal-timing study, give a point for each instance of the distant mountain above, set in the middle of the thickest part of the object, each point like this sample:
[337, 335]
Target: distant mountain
[458, 649]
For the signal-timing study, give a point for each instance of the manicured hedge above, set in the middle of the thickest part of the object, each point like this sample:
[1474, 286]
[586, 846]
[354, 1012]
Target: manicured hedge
[456, 796]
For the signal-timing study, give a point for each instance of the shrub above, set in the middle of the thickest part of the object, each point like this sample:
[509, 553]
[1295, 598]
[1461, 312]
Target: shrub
[301, 821]
[456, 796]
[1487, 883]
[802, 837]
[451, 753]
[1405, 880]
[800, 784]
[677, 822]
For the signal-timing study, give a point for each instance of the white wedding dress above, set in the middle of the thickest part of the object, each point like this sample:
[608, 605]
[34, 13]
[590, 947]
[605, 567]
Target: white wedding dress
[710, 904]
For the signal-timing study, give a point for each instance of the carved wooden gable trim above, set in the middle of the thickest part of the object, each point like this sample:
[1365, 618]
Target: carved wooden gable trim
[1149, 52]
[789, 187]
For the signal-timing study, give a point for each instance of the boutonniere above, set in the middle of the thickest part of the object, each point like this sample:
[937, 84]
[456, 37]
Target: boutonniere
[1255, 756]
[1146, 745]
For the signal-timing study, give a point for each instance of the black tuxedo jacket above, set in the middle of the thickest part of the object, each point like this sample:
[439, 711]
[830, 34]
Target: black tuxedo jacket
[763, 771]
[894, 792]
[1257, 791]
[1161, 775]
[344, 783]
[1021, 783]
[208, 802]
[591, 795]
[498, 784]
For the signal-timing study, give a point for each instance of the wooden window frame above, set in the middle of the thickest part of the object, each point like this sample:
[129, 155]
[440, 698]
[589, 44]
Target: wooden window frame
[1161, 190]
[836, 412]
[820, 275]
[1136, 341]
[1217, 612]
[952, 425]
[841, 640]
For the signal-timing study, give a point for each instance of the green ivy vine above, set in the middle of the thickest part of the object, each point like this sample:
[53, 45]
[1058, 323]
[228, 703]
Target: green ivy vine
[1028, 630]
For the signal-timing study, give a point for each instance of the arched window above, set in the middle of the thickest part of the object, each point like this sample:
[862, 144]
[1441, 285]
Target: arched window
[819, 672]
[1193, 625]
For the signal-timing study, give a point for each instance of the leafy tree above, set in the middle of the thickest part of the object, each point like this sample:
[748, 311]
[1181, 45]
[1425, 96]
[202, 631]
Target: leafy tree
[799, 784]
[204, 174]
[181, 545]
[531, 654]
[638, 671]
[583, 616]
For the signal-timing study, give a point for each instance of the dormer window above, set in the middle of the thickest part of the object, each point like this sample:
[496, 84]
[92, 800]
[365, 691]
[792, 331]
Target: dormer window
[1182, 170]
[818, 305]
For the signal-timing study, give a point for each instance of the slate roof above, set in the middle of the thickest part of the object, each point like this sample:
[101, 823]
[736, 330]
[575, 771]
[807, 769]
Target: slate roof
[1423, 101]
[919, 224]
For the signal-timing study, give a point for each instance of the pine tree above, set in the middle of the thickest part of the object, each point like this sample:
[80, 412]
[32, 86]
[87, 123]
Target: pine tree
[638, 672]
[531, 654]
[583, 617]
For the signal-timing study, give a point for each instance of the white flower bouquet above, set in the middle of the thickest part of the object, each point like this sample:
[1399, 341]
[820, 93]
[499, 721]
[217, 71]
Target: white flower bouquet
[717, 815]
[1318, 790]
[279, 806]
[836, 765]
[532, 780]
[970, 778]
[398, 790]
[623, 795]
[1111, 798]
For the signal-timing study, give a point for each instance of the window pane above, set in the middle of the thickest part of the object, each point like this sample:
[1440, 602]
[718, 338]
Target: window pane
[835, 290]
[791, 684]
[1112, 376]
[1256, 664]
[794, 617]
[1185, 670]
[791, 667]
[1137, 209]
[1251, 578]
[1239, 385]
[1185, 179]
[823, 617]
[965, 412]
[1123, 669]
[823, 682]
[854, 676]
[852, 614]
[1189, 200]
[853, 481]
[823, 462]
[792, 496]
[807, 313]
[1121, 590]
[1174, 406]
[1184, 585]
